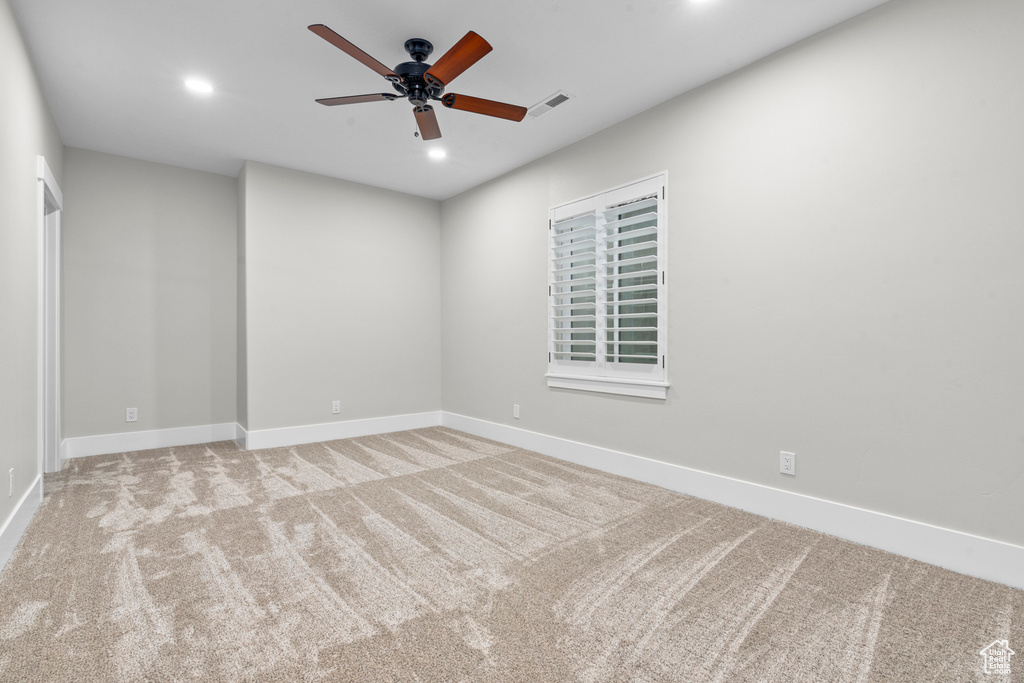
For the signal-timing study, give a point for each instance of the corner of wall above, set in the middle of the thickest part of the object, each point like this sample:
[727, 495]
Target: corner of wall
[241, 341]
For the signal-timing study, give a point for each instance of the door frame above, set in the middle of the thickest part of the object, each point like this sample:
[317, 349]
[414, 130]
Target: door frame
[50, 211]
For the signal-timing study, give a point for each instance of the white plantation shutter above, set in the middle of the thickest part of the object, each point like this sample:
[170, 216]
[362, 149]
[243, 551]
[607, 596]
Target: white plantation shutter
[574, 288]
[607, 312]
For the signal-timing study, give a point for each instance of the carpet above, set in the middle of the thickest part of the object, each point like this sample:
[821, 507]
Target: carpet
[434, 555]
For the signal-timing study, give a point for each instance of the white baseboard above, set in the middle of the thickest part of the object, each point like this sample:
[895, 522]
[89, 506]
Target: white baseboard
[241, 436]
[17, 522]
[101, 444]
[984, 558]
[289, 436]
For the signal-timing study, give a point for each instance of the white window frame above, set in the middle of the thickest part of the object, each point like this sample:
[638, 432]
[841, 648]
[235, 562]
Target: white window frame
[587, 365]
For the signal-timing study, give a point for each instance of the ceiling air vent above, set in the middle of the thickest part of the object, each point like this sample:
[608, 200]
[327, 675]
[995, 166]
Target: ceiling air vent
[548, 104]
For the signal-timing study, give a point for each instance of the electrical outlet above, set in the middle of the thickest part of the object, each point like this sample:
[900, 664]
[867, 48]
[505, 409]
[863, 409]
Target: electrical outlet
[787, 463]
[131, 414]
[515, 410]
[335, 407]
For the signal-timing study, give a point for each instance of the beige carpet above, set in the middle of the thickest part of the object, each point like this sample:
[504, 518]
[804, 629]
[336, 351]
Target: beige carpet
[432, 555]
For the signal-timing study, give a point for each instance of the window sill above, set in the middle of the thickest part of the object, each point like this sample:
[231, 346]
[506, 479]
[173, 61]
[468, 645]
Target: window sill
[606, 385]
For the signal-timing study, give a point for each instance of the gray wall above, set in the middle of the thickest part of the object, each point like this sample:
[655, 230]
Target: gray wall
[26, 130]
[149, 295]
[846, 280]
[342, 295]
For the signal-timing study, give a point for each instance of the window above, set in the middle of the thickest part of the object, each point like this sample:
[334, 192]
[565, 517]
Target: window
[607, 292]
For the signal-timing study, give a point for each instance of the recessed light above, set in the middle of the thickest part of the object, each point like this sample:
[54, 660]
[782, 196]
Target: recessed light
[198, 85]
[437, 153]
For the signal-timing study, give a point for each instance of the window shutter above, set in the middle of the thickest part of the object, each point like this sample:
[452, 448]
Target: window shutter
[631, 281]
[607, 312]
[574, 288]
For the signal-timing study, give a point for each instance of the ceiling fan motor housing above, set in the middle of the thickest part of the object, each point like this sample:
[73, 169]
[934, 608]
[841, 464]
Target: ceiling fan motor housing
[412, 84]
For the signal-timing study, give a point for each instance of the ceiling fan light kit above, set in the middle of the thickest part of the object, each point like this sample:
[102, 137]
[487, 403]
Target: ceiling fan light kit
[422, 83]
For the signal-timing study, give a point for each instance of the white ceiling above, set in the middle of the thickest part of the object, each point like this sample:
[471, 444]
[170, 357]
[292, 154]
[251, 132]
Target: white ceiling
[112, 71]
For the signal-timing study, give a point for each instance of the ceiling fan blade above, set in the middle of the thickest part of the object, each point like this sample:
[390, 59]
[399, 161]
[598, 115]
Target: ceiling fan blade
[460, 57]
[476, 105]
[353, 51]
[356, 99]
[426, 119]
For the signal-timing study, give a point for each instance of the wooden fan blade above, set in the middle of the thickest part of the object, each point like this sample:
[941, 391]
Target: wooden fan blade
[356, 99]
[460, 57]
[426, 119]
[486, 107]
[353, 51]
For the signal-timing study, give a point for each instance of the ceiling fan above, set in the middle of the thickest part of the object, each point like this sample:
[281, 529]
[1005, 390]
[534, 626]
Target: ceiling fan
[420, 82]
